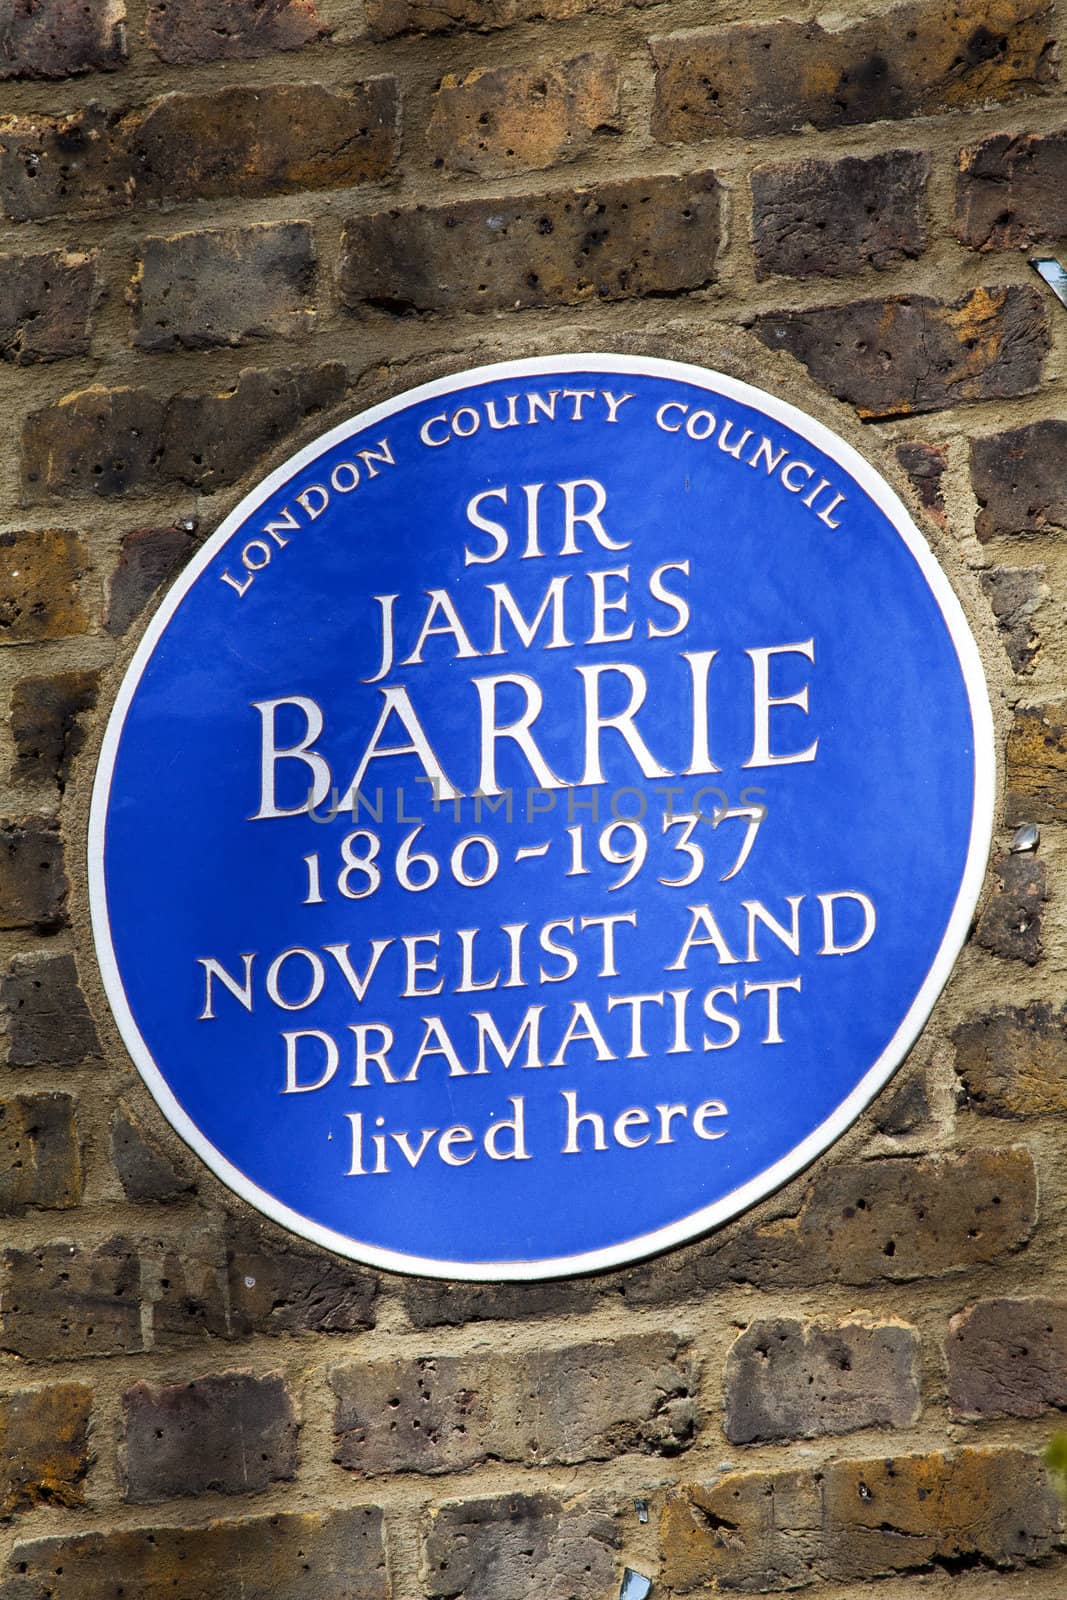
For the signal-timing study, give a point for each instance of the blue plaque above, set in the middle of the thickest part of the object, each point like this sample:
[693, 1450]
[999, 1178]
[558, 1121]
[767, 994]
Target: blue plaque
[541, 818]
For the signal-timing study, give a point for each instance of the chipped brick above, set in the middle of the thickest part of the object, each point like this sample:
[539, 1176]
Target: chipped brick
[911, 353]
[635, 237]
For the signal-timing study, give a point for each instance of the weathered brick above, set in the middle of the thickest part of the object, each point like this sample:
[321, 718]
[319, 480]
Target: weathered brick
[184, 31]
[912, 60]
[993, 1506]
[903, 1109]
[310, 1555]
[46, 1020]
[520, 1544]
[890, 1218]
[516, 118]
[40, 1160]
[1012, 191]
[186, 1292]
[247, 141]
[430, 1304]
[1019, 481]
[762, 1531]
[33, 885]
[276, 1287]
[787, 1379]
[1010, 925]
[46, 725]
[145, 1170]
[925, 465]
[639, 236]
[44, 1447]
[40, 579]
[894, 1218]
[100, 439]
[834, 218]
[61, 1301]
[910, 353]
[44, 306]
[235, 1433]
[56, 38]
[234, 141]
[1013, 1063]
[72, 165]
[108, 441]
[387, 19]
[196, 291]
[750, 1531]
[582, 1403]
[869, 1214]
[1008, 1358]
[1016, 595]
[147, 558]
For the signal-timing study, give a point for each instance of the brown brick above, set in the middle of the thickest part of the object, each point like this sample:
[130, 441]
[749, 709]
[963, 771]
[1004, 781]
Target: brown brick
[72, 165]
[99, 439]
[1013, 1063]
[1008, 1358]
[581, 1403]
[46, 725]
[235, 1433]
[40, 1162]
[834, 218]
[55, 38]
[388, 18]
[46, 1020]
[196, 291]
[750, 1531]
[210, 440]
[639, 236]
[762, 1531]
[430, 1304]
[856, 1224]
[235, 141]
[1010, 925]
[868, 1214]
[1019, 482]
[44, 1447]
[907, 354]
[184, 31]
[912, 60]
[1012, 191]
[925, 465]
[62, 1301]
[894, 1218]
[185, 1286]
[147, 558]
[516, 118]
[276, 1287]
[145, 1170]
[33, 885]
[993, 1505]
[787, 1379]
[1016, 594]
[242, 141]
[520, 1544]
[40, 578]
[903, 1109]
[44, 306]
[310, 1555]
[108, 441]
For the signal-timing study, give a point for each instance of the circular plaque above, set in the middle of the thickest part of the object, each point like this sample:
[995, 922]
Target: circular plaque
[541, 818]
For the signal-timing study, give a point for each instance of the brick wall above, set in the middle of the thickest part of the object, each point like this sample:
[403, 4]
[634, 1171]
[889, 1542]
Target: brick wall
[225, 222]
